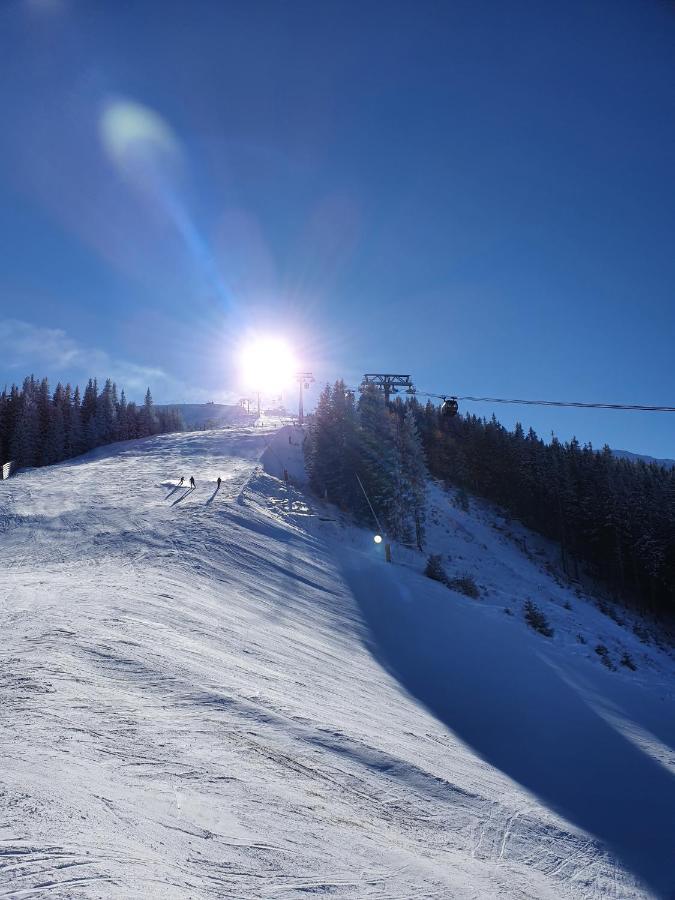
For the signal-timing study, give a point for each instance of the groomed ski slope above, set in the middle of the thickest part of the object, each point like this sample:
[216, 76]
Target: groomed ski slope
[229, 694]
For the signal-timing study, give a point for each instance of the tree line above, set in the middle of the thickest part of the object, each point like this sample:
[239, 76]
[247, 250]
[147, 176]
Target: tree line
[38, 427]
[616, 517]
[613, 518]
[361, 455]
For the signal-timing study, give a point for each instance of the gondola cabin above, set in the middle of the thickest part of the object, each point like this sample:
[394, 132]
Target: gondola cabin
[449, 407]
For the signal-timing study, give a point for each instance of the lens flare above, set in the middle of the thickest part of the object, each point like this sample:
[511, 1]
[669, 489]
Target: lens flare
[133, 134]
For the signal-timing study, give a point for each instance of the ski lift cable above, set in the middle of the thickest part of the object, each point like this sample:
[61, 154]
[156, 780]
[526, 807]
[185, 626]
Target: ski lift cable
[631, 407]
[568, 403]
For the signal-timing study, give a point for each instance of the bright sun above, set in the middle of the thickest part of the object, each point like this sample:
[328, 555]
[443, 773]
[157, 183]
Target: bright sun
[267, 364]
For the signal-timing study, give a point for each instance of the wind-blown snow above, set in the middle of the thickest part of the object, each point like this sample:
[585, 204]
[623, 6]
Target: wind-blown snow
[229, 694]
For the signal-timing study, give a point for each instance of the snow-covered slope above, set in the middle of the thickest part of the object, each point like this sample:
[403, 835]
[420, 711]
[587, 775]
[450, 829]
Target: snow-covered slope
[229, 694]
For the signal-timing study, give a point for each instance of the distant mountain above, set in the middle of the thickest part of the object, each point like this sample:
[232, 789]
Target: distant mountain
[635, 457]
[198, 415]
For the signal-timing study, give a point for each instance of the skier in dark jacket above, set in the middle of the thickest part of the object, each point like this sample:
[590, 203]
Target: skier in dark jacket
[192, 481]
[182, 479]
[219, 479]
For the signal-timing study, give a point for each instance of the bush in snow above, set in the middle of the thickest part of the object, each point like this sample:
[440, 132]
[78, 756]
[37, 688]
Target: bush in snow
[466, 585]
[536, 619]
[627, 661]
[434, 568]
[610, 611]
[642, 633]
[605, 658]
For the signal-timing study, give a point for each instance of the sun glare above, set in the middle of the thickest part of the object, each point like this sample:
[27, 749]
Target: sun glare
[267, 364]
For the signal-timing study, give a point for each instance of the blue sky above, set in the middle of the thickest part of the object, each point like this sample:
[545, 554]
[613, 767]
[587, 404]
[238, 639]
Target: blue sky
[480, 194]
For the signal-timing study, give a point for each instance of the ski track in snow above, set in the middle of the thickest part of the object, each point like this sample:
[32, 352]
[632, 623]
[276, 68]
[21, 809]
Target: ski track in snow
[190, 709]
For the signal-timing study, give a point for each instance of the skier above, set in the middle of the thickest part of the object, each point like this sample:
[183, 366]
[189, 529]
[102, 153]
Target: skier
[182, 479]
[192, 481]
[219, 482]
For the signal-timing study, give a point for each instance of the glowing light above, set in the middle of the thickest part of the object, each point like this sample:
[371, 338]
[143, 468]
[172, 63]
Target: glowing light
[378, 538]
[267, 364]
[132, 133]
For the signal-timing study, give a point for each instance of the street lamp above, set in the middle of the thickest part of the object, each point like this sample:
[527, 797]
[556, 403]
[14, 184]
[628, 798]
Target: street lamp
[378, 536]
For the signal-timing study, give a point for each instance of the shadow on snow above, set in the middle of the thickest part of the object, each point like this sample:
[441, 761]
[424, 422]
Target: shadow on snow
[212, 497]
[492, 687]
[183, 496]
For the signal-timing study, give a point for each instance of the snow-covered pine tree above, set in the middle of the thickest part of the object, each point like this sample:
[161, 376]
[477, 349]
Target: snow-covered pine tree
[12, 408]
[75, 438]
[148, 420]
[24, 441]
[319, 450]
[414, 474]
[132, 420]
[377, 459]
[122, 418]
[346, 440]
[89, 402]
[90, 434]
[43, 455]
[106, 413]
[54, 446]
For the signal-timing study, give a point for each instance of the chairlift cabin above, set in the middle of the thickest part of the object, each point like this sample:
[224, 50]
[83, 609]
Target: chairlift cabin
[449, 406]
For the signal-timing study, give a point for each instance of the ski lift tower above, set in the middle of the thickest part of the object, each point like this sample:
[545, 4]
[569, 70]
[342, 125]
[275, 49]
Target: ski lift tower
[389, 383]
[304, 380]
